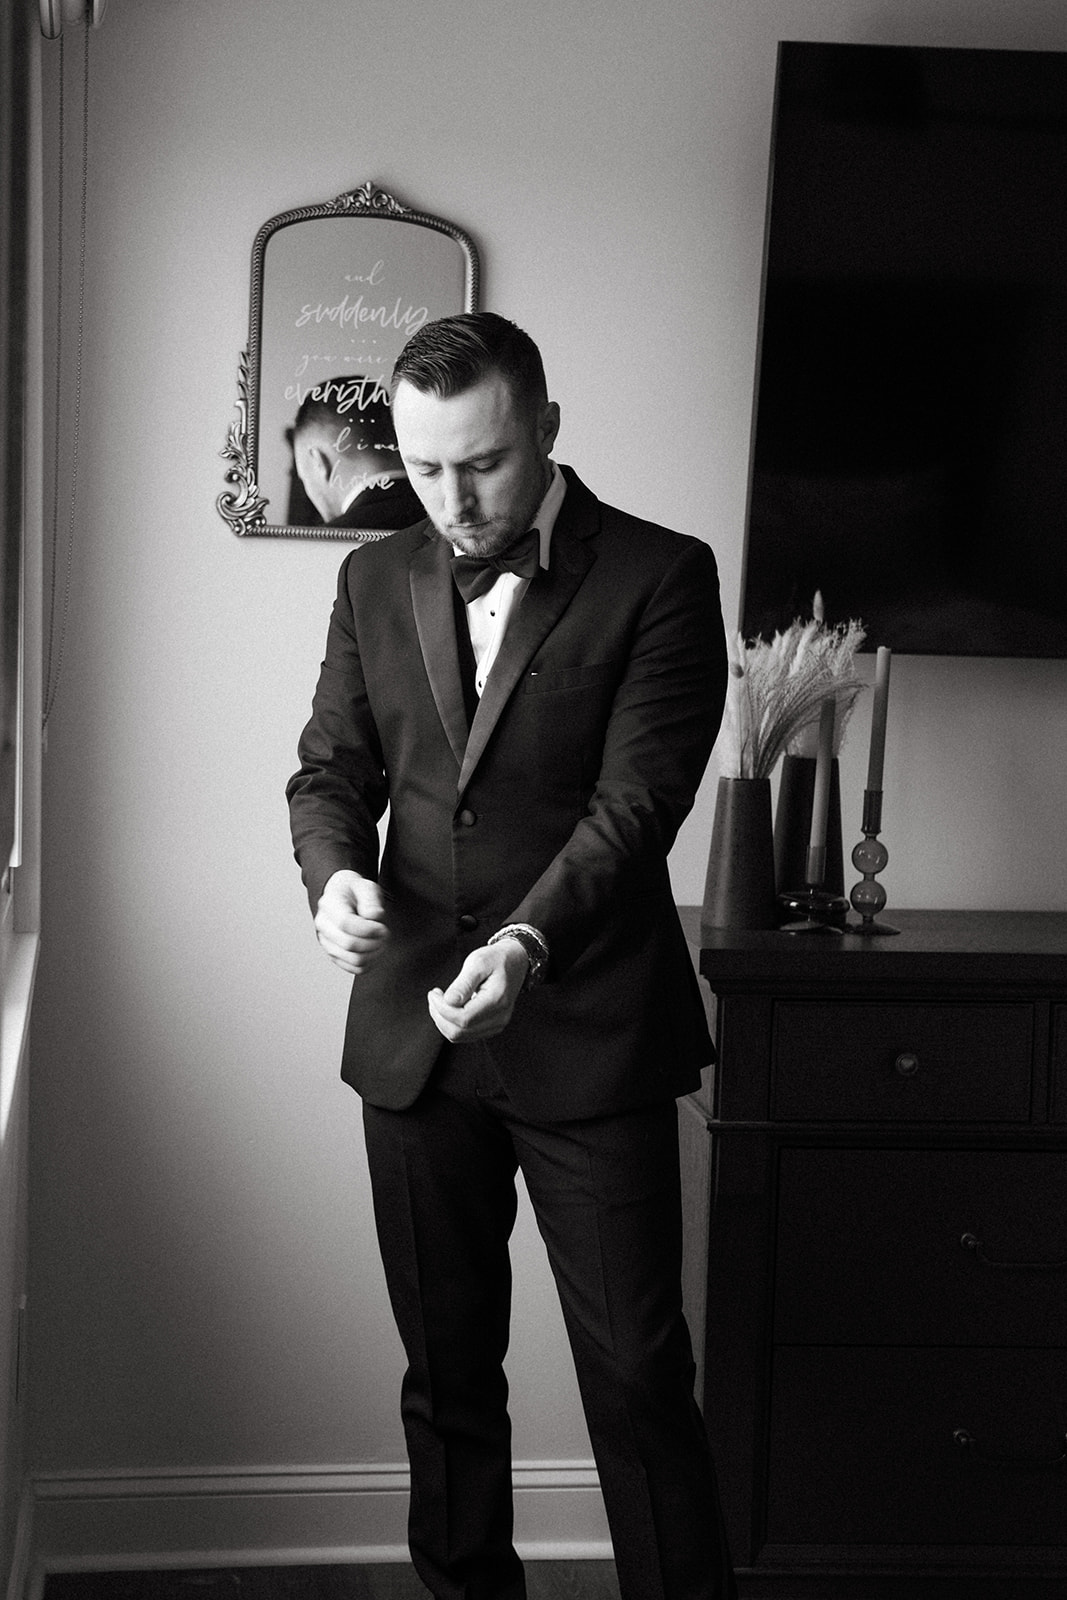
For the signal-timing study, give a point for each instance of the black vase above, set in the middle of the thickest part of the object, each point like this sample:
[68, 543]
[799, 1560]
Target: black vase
[792, 827]
[739, 887]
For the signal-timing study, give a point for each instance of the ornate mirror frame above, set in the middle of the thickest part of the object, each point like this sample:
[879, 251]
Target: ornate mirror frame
[415, 284]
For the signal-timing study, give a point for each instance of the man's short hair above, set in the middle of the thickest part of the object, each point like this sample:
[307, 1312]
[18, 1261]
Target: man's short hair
[355, 402]
[448, 356]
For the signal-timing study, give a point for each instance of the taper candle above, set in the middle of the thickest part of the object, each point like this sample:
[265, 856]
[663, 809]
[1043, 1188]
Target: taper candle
[878, 717]
[820, 800]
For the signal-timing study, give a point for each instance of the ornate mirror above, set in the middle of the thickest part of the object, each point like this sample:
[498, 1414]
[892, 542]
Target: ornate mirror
[337, 290]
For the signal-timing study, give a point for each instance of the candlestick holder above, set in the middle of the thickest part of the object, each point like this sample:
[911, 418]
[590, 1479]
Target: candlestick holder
[870, 856]
[814, 909]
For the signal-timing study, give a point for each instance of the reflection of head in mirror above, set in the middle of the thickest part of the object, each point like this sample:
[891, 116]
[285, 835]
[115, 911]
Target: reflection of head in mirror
[345, 454]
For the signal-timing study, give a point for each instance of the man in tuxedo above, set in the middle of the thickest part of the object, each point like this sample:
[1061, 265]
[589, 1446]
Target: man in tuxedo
[532, 682]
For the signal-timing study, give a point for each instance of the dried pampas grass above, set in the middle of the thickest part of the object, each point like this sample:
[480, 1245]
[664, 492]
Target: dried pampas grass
[776, 692]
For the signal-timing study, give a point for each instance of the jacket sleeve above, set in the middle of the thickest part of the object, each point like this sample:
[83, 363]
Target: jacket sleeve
[339, 792]
[663, 723]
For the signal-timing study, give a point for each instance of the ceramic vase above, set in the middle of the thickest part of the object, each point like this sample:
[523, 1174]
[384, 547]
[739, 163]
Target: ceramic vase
[739, 888]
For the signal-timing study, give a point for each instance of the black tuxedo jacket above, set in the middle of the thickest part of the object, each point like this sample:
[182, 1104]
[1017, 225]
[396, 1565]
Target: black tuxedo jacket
[556, 807]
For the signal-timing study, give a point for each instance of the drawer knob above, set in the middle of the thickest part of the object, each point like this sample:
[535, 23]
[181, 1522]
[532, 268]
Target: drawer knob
[907, 1064]
[967, 1441]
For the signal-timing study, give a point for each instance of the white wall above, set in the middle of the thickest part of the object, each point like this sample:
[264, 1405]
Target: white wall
[205, 1287]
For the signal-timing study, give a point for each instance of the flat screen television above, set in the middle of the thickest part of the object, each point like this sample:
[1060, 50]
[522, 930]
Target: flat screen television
[910, 432]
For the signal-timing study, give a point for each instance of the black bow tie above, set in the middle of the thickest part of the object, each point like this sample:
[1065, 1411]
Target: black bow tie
[475, 575]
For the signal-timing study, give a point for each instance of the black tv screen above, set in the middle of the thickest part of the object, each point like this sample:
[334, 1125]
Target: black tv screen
[910, 435]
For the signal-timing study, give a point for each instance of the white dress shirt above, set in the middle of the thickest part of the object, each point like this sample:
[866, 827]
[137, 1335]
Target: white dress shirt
[487, 617]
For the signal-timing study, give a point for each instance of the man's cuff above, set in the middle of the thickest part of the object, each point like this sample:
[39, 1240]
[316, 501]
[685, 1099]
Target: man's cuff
[534, 943]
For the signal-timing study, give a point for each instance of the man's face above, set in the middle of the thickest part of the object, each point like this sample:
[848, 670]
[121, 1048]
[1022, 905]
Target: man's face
[476, 460]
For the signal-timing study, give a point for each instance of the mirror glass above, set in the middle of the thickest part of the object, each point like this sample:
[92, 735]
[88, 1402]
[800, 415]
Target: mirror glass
[337, 290]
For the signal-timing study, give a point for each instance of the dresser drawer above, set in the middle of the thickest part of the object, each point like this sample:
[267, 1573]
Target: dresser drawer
[1059, 1063]
[931, 1247]
[902, 1062]
[917, 1447]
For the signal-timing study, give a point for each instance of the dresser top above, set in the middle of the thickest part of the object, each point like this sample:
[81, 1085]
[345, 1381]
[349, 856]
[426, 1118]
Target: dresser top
[963, 947]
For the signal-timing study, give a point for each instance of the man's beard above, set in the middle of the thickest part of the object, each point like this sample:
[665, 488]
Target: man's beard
[485, 540]
[496, 534]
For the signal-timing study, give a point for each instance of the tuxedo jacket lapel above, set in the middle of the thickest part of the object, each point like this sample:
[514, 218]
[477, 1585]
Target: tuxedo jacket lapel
[544, 602]
[435, 622]
[549, 594]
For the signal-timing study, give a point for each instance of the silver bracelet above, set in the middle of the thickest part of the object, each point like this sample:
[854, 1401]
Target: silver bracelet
[534, 943]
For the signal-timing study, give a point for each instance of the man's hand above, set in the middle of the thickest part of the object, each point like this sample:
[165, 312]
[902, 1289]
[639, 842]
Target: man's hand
[350, 921]
[479, 1001]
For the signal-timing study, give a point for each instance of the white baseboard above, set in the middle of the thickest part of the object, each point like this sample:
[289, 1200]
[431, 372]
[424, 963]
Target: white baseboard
[277, 1516]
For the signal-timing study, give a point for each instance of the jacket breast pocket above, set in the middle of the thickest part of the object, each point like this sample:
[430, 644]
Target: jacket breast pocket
[557, 680]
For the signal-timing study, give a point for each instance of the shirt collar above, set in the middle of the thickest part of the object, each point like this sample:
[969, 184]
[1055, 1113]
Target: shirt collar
[545, 519]
[362, 486]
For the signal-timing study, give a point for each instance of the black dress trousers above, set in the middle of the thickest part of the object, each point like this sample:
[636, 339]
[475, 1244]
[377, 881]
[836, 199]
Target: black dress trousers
[606, 1196]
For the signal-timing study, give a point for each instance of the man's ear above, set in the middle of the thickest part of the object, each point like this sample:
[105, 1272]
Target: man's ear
[548, 426]
[313, 462]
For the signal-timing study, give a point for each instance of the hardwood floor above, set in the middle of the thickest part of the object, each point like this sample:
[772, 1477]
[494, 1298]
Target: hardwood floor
[545, 1580]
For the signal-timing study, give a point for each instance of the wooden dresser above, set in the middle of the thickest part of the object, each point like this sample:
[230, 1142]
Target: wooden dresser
[876, 1194]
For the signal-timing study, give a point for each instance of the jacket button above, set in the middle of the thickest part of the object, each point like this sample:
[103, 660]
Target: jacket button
[468, 922]
[468, 818]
